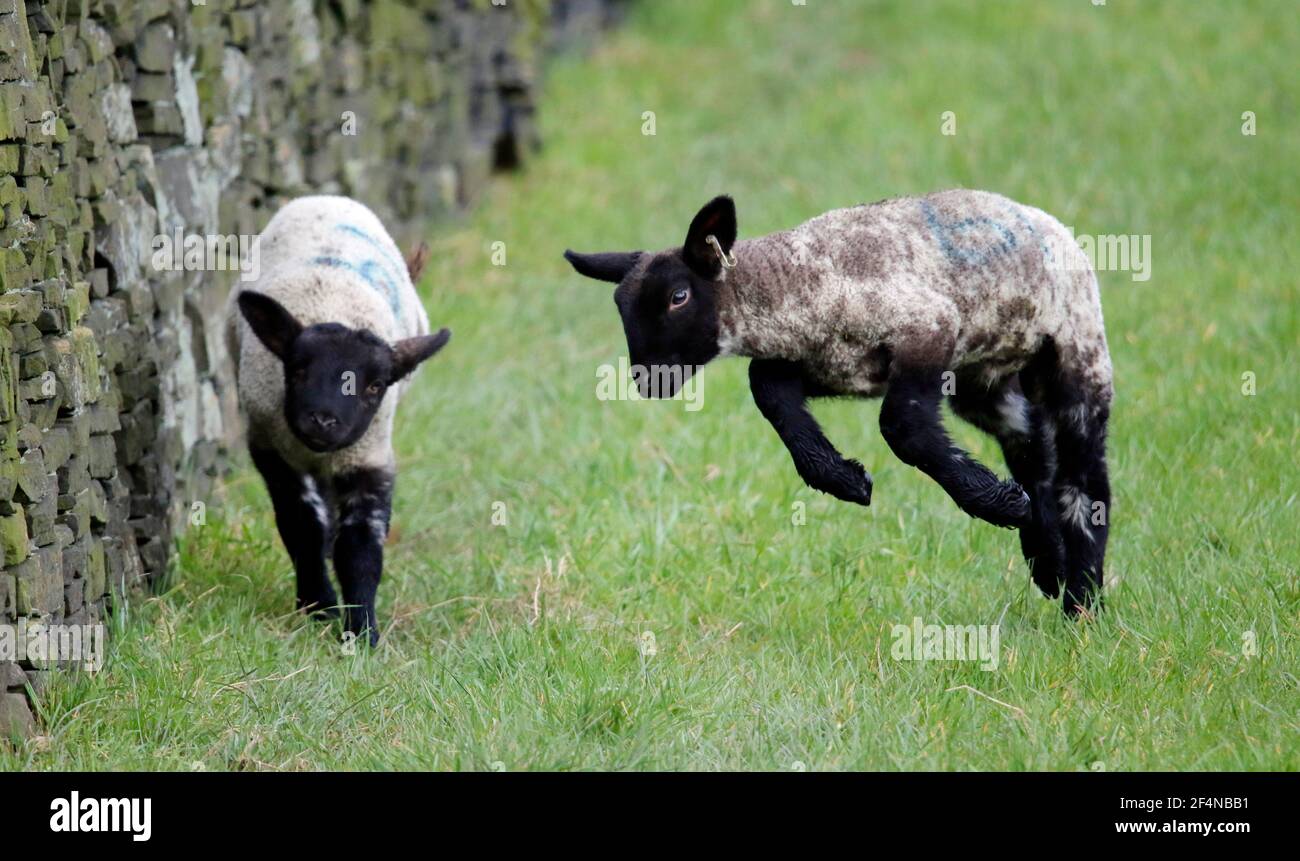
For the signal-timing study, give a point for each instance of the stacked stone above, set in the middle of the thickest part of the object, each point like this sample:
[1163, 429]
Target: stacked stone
[125, 120]
[73, 332]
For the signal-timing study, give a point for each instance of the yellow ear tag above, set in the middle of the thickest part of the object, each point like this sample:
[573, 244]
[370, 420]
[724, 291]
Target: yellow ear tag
[727, 262]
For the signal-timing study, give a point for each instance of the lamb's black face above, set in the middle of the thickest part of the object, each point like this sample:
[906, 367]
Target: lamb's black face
[334, 381]
[669, 305]
[670, 317]
[335, 377]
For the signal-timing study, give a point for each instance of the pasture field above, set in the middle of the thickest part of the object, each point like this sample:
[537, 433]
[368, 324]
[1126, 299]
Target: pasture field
[575, 583]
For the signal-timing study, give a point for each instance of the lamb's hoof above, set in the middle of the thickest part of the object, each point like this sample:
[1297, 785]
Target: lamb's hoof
[852, 483]
[320, 610]
[1085, 610]
[1045, 554]
[1082, 601]
[1014, 509]
[366, 637]
[1048, 585]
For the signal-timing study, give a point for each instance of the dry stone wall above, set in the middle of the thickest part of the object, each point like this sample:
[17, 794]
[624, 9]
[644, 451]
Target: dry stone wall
[122, 121]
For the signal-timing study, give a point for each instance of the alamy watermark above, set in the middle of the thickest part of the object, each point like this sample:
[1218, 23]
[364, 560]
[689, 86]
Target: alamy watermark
[41, 644]
[206, 252]
[1104, 252]
[921, 642]
[628, 382]
[132, 816]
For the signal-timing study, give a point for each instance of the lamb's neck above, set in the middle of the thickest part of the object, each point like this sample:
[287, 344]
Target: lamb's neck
[759, 314]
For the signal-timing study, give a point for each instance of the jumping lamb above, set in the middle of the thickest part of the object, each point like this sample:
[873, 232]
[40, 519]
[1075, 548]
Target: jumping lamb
[960, 294]
[324, 340]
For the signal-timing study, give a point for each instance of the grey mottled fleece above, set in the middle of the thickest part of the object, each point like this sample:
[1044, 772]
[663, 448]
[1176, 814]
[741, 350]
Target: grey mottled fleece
[946, 281]
[963, 297]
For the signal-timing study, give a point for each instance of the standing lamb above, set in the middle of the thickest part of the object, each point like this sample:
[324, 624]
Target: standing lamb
[338, 328]
[963, 294]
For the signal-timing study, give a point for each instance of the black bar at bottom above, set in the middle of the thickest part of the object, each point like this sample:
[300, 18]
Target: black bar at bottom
[333, 812]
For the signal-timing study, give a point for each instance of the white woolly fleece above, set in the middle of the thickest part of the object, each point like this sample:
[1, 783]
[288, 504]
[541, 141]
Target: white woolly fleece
[326, 259]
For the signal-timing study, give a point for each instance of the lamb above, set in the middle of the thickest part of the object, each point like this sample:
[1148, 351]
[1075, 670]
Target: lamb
[324, 341]
[960, 294]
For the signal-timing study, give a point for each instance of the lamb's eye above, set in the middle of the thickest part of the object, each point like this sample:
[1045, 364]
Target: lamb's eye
[679, 298]
[374, 388]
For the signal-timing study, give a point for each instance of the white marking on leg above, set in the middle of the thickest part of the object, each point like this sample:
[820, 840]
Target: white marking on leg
[1014, 412]
[365, 509]
[311, 496]
[1075, 508]
[1077, 416]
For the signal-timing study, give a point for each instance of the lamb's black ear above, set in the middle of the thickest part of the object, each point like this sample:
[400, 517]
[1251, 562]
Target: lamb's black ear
[410, 352]
[610, 266]
[716, 218]
[275, 327]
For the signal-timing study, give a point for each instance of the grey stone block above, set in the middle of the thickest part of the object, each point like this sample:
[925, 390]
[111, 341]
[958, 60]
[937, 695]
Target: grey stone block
[16, 719]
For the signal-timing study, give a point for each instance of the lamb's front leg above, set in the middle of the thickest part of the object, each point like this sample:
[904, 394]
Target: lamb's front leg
[911, 424]
[304, 521]
[365, 504]
[781, 394]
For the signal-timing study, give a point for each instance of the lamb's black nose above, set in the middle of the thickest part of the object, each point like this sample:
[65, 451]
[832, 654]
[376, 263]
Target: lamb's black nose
[325, 421]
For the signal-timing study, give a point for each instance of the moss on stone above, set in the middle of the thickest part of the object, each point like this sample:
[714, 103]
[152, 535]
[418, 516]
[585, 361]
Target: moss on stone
[14, 541]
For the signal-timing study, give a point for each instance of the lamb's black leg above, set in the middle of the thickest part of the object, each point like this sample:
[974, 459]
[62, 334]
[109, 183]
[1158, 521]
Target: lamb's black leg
[1028, 444]
[780, 392]
[1083, 496]
[304, 520]
[910, 422]
[365, 504]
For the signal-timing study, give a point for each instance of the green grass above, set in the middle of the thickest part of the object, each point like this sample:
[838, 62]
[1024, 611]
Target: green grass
[515, 647]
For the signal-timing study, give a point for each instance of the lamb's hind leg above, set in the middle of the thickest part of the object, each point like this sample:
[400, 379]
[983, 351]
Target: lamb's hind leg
[1020, 427]
[911, 423]
[1083, 495]
[305, 523]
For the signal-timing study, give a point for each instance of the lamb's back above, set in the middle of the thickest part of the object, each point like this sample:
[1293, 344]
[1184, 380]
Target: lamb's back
[339, 242]
[972, 267]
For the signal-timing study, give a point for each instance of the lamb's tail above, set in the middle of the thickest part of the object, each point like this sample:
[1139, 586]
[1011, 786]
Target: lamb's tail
[417, 260]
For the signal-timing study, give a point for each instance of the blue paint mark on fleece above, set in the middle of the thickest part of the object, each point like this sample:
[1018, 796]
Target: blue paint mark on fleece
[370, 240]
[1048, 258]
[373, 274]
[990, 238]
[378, 274]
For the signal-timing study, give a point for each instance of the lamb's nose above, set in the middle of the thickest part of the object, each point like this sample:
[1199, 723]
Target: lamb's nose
[324, 421]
